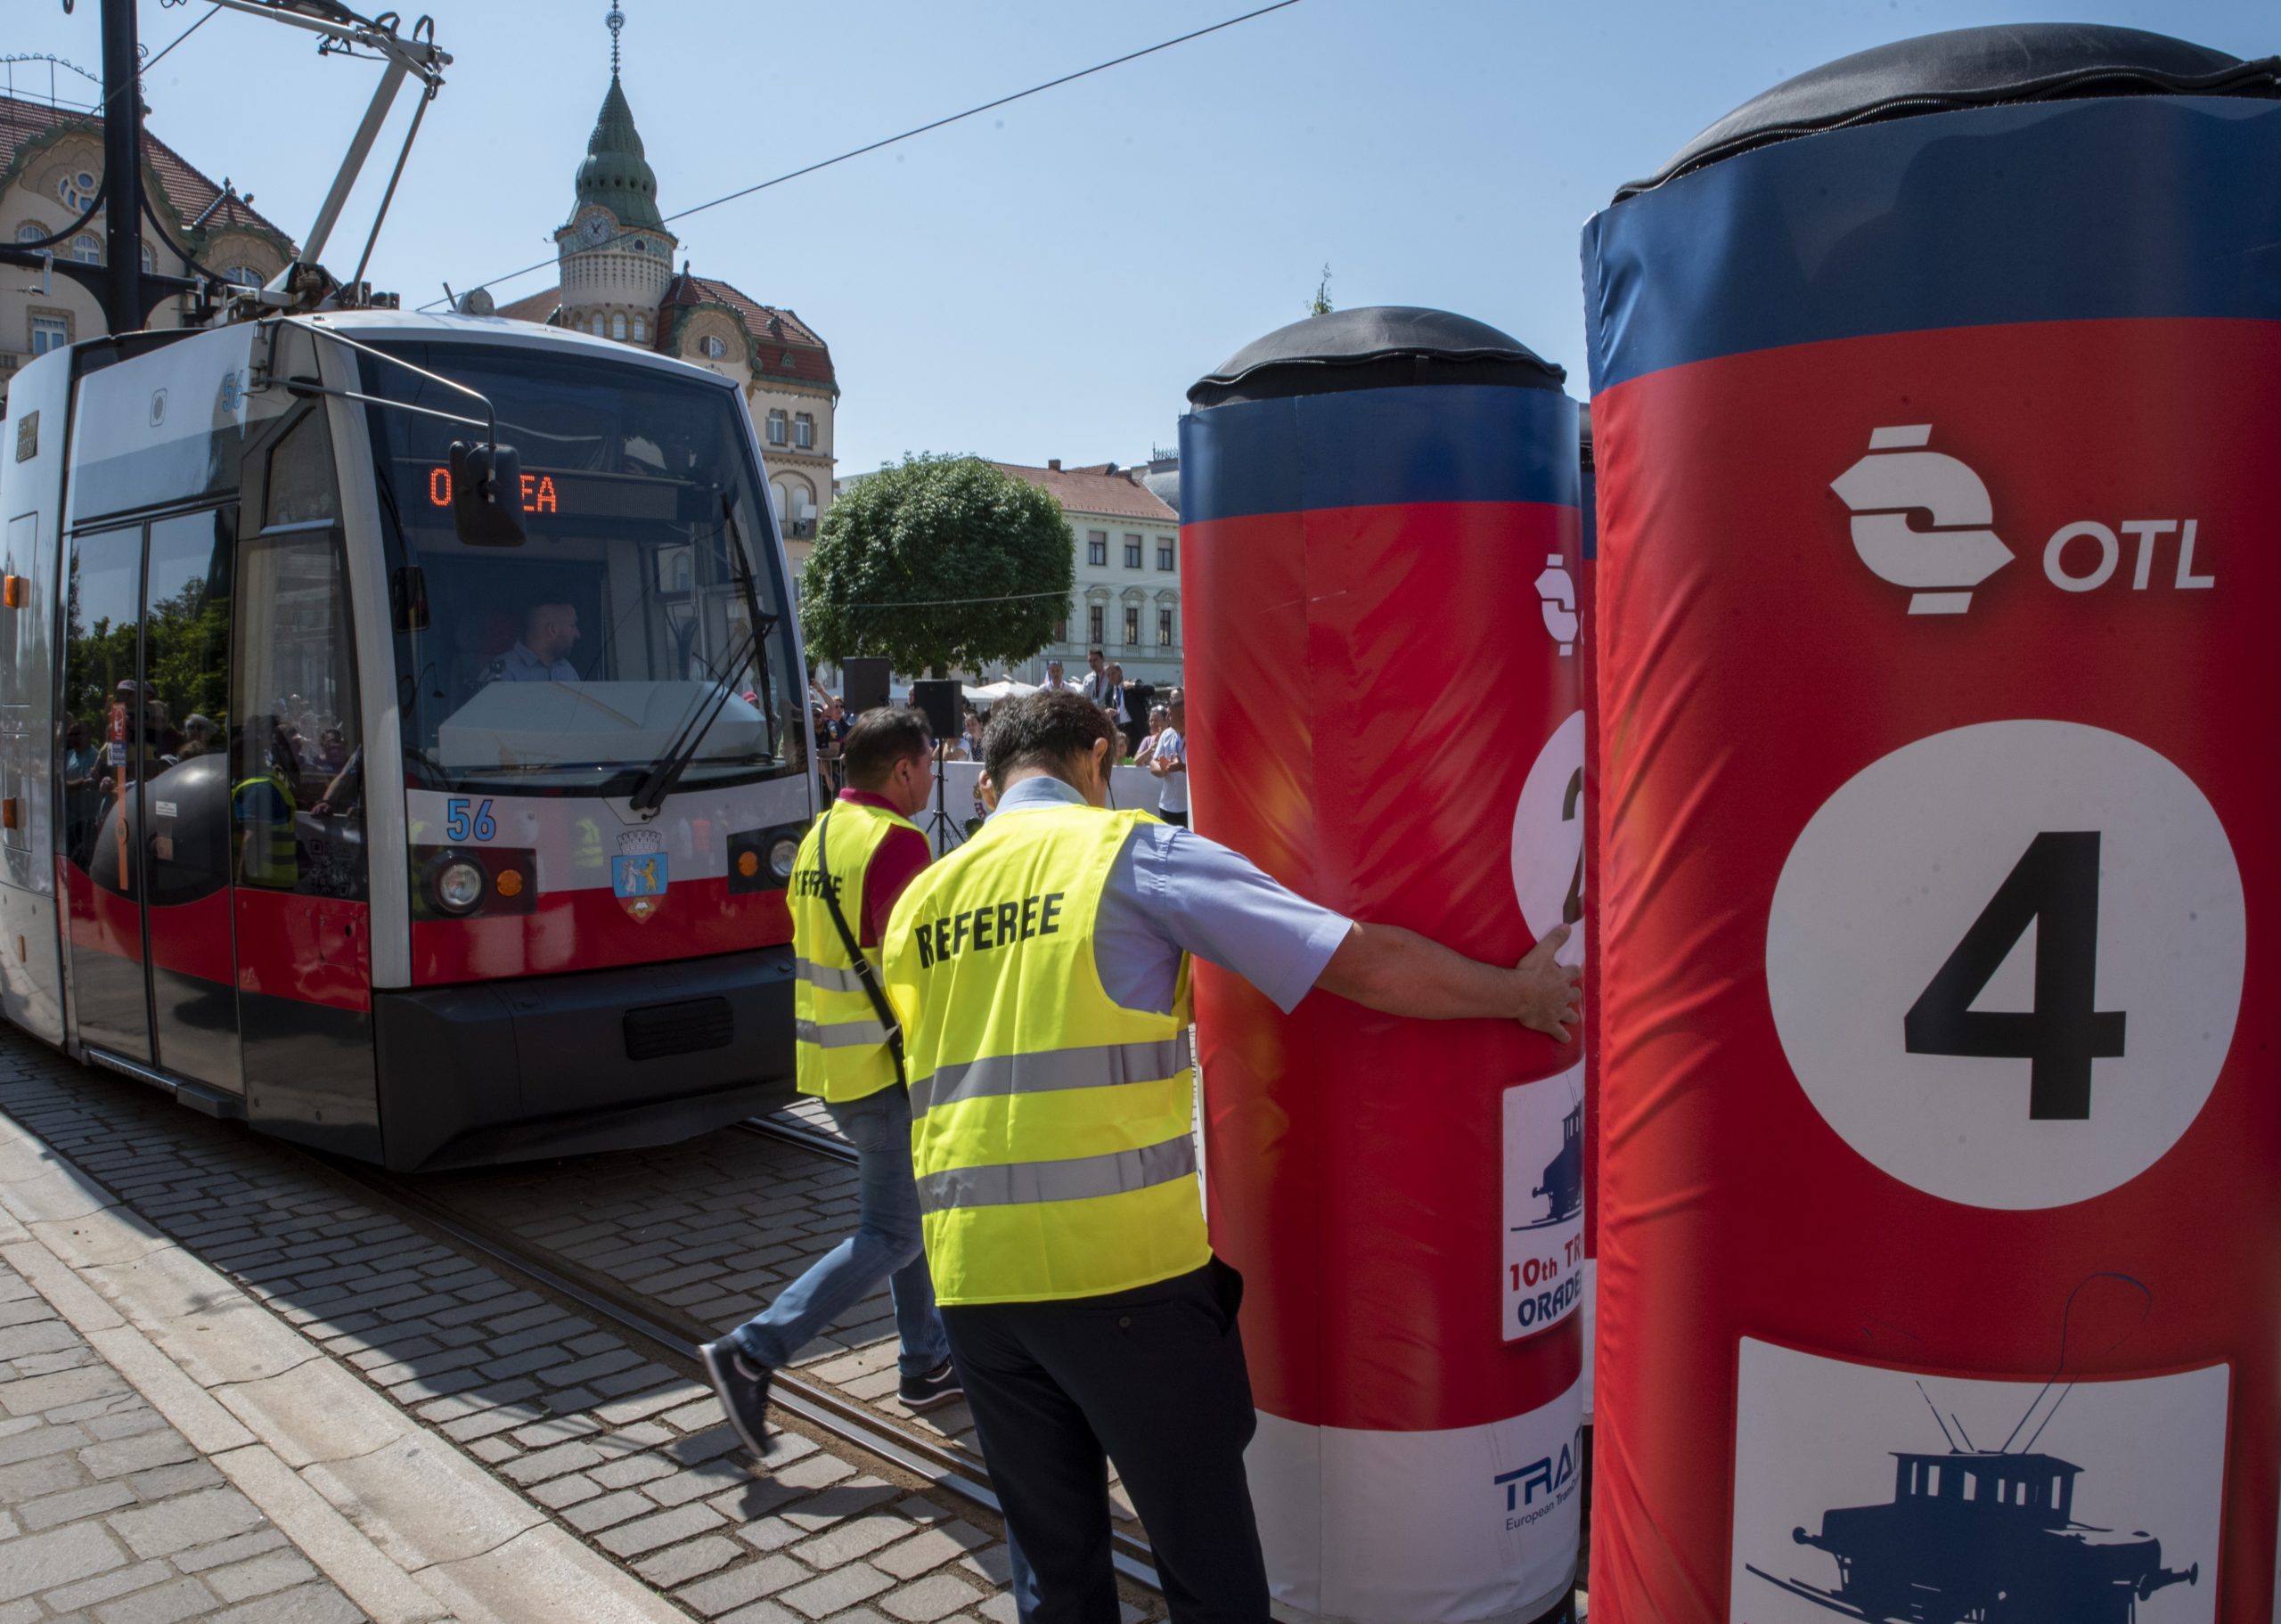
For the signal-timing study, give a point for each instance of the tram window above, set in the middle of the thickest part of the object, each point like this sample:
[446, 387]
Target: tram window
[103, 741]
[301, 486]
[574, 664]
[187, 699]
[297, 758]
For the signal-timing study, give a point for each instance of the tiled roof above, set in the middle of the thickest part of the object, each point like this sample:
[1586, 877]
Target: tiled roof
[537, 307]
[780, 334]
[788, 347]
[1101, 487]
[181, 183]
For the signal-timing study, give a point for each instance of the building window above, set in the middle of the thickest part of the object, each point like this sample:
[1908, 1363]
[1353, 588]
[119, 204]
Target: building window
[1061, 630]
[50, 332]
[713, 347]
[803, 432]
[1131, 551]
[150, 260]
[1164, 552]
[641, 330]
[87, 249]
[617, 327]
[78, 192]
[776, 421]
[241, 276]
[1093, 625]
[1097, 551]
[1164, 628]
[30, 233]
[1131, 627]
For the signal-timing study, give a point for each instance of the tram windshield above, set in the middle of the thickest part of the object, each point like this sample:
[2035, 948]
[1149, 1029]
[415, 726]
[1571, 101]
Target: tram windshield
[642, 620]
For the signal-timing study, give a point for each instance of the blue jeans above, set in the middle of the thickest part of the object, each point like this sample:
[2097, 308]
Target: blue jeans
[885, 1245]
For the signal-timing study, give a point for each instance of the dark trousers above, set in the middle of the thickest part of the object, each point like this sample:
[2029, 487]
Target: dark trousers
[1153, 1377]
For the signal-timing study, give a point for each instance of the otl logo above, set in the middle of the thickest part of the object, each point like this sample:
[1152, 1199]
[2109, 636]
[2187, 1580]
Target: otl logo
[1899, 477]
[1941, 564]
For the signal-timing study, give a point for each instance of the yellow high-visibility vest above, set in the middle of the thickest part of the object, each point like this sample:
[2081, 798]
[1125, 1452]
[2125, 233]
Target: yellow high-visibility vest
[1050, 1126]
[839, 1043]
[274, 858]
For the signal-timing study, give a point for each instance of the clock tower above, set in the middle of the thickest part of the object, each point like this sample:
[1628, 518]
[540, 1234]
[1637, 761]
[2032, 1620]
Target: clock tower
[616, 255]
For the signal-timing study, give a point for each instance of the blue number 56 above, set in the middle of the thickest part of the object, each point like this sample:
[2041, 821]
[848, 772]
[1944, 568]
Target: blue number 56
[458, 825]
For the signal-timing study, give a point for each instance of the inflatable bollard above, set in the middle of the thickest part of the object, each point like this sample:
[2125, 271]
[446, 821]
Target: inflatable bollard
[1936, 396]
[1379, 509]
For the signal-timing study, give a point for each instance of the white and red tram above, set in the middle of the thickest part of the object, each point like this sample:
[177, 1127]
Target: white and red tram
[282, 831]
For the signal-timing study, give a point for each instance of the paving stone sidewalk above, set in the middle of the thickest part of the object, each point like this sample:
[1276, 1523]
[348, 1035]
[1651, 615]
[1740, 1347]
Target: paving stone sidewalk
[631, 1457]
[107, 1512]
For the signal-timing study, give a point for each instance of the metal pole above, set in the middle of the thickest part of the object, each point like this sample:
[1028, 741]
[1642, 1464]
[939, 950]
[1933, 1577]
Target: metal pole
[122, 168]
[375, 114]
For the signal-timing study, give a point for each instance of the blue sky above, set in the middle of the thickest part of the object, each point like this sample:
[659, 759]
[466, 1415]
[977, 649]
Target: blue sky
[1048, 280]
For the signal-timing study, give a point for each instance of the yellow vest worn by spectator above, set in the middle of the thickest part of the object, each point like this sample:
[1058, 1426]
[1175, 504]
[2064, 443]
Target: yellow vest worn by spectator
[271, 857]
[1050, 1126]
[839, 1043]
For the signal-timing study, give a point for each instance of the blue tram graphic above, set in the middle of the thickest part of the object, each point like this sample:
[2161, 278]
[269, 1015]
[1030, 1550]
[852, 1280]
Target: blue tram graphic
[1981, 1537]
[1563, 1186]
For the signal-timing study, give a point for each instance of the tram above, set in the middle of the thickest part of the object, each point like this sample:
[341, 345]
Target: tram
[402, 734]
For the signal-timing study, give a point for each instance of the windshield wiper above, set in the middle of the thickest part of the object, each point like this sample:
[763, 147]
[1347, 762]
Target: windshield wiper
[650, 794]
[743, 567]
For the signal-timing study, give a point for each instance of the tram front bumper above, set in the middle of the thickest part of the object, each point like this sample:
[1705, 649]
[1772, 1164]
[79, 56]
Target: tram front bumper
[550, 1066]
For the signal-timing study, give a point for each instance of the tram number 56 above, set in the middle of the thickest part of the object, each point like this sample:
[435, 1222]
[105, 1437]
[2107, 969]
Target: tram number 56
[459, 824]
[2056, 888]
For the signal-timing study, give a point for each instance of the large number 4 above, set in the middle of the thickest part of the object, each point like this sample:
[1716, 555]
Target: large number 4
[2056, 888]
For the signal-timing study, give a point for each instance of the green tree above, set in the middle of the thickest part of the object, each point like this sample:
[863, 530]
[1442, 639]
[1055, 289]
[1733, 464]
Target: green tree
[941, 562]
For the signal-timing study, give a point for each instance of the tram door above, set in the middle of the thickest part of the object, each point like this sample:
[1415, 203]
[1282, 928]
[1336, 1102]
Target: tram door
[146, 833]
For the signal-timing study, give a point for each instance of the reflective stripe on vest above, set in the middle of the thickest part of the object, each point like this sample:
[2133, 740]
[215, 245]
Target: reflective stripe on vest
[1052, 1127]
[839, 1034]
[1080, 1180]
[838, 1043]
[831, 977]
[1056, 1069]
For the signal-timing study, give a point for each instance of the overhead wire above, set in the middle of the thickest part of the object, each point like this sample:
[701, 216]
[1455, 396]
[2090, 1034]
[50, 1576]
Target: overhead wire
[921, 129]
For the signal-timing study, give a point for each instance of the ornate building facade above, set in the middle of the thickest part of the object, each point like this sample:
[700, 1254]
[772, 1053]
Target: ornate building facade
[51, 164]
[616, 279]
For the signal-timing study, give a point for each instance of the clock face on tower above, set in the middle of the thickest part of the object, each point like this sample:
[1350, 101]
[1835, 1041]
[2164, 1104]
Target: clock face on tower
[593, 228]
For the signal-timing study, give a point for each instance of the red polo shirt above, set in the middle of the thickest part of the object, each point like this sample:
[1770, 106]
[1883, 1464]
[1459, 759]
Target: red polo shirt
[894, 866]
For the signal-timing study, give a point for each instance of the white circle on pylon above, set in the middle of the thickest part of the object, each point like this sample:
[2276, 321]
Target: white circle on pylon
[1902, 865]
[1548, 839]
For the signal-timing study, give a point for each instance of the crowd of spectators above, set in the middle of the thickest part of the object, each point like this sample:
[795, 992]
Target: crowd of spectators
[1154, 737]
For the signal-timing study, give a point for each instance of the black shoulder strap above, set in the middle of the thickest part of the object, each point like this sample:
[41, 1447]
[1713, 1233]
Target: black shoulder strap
[864, 973]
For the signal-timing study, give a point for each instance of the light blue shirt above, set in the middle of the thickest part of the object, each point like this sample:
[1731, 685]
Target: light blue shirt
[1172, 892]
[520, 665]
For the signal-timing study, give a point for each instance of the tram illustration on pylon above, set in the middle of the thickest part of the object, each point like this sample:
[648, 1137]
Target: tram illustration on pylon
[1564, 1176]
[1981, 1537]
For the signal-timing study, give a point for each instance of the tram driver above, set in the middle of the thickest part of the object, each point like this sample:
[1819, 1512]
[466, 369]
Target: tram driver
[542, 654]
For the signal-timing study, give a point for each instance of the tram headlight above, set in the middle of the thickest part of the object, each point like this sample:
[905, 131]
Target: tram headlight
[458, 887]
[781, 855]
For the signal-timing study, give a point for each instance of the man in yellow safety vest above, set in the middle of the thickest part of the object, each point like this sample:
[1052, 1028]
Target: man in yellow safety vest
[1040, 978]
[852, 866]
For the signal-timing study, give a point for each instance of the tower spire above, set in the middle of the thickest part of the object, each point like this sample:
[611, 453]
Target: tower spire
[614, 22]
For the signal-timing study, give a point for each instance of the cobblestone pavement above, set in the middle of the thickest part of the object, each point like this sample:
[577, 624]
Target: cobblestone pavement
[630, 1454]
[107, 1512]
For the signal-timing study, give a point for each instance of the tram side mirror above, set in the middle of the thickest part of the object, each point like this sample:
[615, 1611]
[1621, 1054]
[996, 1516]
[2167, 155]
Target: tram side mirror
[488, 495]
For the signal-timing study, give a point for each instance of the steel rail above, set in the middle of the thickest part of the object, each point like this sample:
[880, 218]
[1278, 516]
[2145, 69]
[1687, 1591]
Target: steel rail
[944, 1466]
